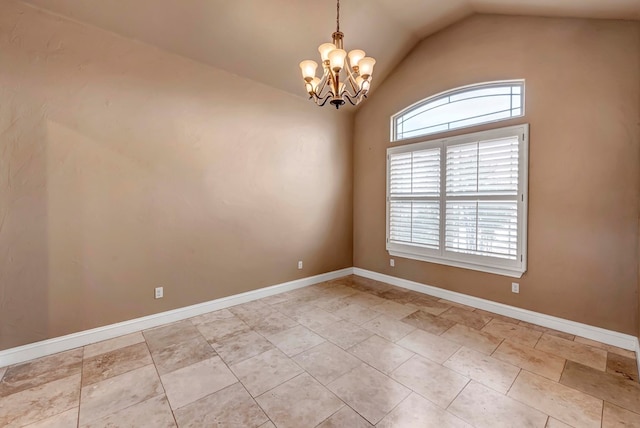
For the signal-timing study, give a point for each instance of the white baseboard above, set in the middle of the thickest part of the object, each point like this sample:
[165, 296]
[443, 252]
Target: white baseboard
[75, 340]
[609, 337]
[82, 338]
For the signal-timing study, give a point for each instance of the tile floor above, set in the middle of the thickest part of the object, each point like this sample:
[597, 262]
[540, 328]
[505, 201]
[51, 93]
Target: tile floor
[351, 352]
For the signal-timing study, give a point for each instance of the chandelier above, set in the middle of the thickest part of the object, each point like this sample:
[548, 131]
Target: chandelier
[356, 73]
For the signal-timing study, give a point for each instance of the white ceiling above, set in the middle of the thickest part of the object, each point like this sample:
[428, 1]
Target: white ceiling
[264, 40]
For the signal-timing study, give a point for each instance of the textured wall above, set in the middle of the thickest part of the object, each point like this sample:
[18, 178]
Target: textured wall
[123, 168]
[582, 101]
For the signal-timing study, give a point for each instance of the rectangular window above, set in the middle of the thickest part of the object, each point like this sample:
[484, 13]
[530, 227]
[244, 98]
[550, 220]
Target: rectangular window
[461, 201]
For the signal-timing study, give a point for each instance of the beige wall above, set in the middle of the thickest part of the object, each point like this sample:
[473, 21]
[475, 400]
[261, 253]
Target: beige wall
[123, 168]
[582, 100]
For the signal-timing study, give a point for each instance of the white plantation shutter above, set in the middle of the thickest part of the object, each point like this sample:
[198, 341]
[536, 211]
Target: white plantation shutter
[414, 190]
[482, 198]
[461, 201]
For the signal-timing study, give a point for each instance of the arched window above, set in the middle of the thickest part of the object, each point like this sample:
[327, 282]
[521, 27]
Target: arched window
[462, 200]
[459, 108]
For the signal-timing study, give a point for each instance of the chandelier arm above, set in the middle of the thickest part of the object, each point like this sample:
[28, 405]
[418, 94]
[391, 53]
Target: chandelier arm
[324, 100]
[350, 77]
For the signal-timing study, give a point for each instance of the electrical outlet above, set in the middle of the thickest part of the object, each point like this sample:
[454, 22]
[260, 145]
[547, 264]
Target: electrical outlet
[159, 292]
[300, 264]
[515, 287]
[392, 262]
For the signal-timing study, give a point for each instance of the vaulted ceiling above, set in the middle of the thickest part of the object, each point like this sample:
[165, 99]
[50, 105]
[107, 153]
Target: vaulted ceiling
[264, 40]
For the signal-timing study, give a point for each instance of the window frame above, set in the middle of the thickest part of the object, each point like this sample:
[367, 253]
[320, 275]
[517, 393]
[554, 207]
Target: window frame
[453, 92]
[488, 264]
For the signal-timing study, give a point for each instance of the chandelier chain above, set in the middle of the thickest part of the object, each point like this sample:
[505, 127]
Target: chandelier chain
[338, 17]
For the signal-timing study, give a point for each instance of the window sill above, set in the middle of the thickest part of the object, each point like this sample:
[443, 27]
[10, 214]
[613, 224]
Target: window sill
[505, 271]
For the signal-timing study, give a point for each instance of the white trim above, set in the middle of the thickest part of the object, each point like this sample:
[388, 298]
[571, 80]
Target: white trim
[450, 92]
[507, 267]
[86, 337]
[609, 337]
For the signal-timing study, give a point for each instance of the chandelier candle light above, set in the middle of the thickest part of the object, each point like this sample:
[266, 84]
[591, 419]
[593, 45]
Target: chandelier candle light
[357, 72]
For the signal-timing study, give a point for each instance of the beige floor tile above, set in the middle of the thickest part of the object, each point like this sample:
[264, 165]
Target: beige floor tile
[483, 407]
[400, 296]
[466, 317]
[40, 402]
[40, 371]
[299, 402]
[550, 331]
[608, 387]
[429, 345]
[114, 363]
[565, 404]
[295, 340]
[416, 411]
[211, 317]
[457, 305]
[484, 369]
[332, 305]
[626, 368]
[369, 392]
[114, 394]
[344, 334]
[554, 423]
[274, 323]
[183, 354]
[294, 307]
[268, 424]
[326, 362]
[251, 312]
[112, 344]
[170, 335]
[188, 384]
[472, 338]
[356, 314]
[215, 331]
[389, 328]
[431, 380]
[497, 316]
[315, 317]
[381, 354]
[429, 305]
[263, 372]
[154, 412]
[276, 298]
[393, 310]
[229, 407]
[574, 351]
[428, 322]
[233, 349]
[68, 419]
[364, 299]
[617, 417]
[609, 348]
[533, 360]
[515, 333]
[345, 417]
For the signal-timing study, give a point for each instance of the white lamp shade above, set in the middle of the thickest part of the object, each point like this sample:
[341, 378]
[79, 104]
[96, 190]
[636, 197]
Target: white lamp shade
[308, 68]
[366, 67]
[355, 56]
[314, 83]
[336, 58]
[360, 82]
[324, 50]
